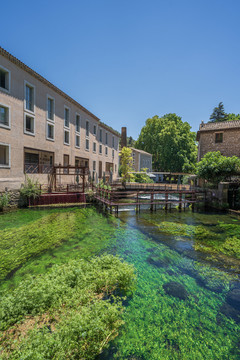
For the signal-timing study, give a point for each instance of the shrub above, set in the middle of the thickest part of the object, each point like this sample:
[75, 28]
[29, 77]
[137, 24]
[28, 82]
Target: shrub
[30, 189]
[4, 201]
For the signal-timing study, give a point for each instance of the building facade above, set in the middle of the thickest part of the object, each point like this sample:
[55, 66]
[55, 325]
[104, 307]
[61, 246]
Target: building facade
[141, 160]
[41, 126]
[220, 136]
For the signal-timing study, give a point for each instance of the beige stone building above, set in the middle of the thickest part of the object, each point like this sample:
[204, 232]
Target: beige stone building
[41, 126]
[220, 136]
[141, 160]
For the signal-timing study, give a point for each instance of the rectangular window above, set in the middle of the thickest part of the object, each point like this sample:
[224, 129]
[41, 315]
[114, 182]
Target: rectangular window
[4, 155]
[100, 135]
[115, 168]
[29, 124]
[66, 117]
[29, 97]
[106, 138]
[94, 165]
[113, 142]
[66, 137]
[4, 79]
[94, 147]
[94, 129]
[50, 109]
[218, 137]
[113, 153]
[4, 116]
[77, 123]
[87, 144]
[87, 128]
[100, 149]
[50, 131]
[77, 141]
[106, 150]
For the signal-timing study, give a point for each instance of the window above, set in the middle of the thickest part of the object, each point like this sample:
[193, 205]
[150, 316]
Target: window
[4, 79]
[77, 141]
[66, 137]
[66, 117]
[100, 135]
[94, 129]
[50, 109]
[4, 155]
[94, 165]
[115, 168]
[77, 123]
[4, 116]
[50, 131]
[100, 149]
[87, 144]
[113, 153]
[29, 97]
[218, 137]
[106, 150]
[87, 128]
[113, 142]
[106, 138]
[29, 124]
[94, 147]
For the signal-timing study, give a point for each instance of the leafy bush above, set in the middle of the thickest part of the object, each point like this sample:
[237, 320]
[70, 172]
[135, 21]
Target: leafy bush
[4, 201]
[215, 167]
[30, 189]
[63, 313]
[143, 177]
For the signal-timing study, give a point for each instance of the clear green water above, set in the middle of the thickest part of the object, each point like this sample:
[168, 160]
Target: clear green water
[157, 325]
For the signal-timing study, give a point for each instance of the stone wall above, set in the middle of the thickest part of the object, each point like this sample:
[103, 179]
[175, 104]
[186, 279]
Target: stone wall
[14, 196]
[229, 147]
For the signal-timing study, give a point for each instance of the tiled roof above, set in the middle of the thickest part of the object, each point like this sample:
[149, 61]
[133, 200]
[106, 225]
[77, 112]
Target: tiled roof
[141, 151]
[215, 126]
[33, 73]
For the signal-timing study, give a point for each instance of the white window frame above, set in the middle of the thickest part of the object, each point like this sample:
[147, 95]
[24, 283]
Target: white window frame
[95, 126]
[68, 131]
[9, 80]
[100, 147]
[94, 151]
[26, 83]
[9, 117]
[77, 114]
[87, 149]
[34, 126]
[53, 99]
[100, 133]
[77, 135]
[9, 156]
[50, 123]
[106, 151]
[66, 108]
[94, 163]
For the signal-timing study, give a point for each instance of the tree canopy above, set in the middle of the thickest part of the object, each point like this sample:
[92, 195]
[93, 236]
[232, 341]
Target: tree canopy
[126, 166]
[218, 113]
[171, 143]
[215, 167]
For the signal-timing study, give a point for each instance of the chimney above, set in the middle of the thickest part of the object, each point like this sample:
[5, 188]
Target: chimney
[124, 137]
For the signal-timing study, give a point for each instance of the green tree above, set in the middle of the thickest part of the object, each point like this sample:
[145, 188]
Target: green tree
[232, 117]
[215, 167]
[218, 113]
[130, 141]
[126, 164]
[171, 143]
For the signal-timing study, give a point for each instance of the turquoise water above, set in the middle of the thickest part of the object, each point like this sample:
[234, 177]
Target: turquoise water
[179, 308]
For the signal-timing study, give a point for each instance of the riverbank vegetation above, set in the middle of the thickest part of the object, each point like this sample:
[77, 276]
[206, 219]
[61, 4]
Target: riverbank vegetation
[71, 312]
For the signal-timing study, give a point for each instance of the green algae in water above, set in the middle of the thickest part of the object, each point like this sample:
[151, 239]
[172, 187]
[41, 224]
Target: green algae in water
[157, 325]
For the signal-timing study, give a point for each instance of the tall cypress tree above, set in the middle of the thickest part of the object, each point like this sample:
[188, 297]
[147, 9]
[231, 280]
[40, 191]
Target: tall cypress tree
[218, 114]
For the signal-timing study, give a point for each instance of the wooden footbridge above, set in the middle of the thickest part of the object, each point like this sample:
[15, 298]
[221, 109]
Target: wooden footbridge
[150, 195]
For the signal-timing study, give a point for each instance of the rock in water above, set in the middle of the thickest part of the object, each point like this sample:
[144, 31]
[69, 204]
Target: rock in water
[175, 289]
[230, 312]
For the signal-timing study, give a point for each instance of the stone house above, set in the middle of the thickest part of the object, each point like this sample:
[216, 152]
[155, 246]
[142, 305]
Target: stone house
[40, 126]
[220, 136]
[141, 159]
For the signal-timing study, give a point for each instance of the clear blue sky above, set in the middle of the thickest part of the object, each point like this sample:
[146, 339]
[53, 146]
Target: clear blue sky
[129, 60]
